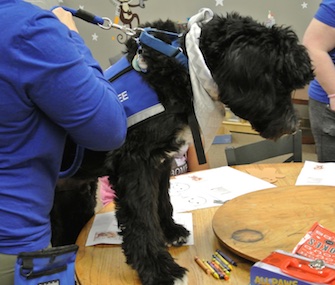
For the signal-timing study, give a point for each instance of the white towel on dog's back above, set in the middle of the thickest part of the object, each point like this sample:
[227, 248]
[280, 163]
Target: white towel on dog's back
[208, 109]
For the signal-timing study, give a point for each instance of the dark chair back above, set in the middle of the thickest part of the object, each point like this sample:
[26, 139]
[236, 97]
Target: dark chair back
[265, 149]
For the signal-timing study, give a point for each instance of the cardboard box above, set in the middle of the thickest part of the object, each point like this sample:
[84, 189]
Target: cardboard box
[282, 268]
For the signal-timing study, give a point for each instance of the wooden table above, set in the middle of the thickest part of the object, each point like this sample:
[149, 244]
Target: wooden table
[275, 218]
[105, 264]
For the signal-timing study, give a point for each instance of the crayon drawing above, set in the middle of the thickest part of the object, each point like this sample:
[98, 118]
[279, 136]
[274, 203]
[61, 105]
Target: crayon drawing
[211, 188]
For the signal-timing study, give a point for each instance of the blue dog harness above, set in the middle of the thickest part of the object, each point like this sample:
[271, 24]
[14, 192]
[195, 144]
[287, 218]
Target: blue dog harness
[170, 50]
[139, 100]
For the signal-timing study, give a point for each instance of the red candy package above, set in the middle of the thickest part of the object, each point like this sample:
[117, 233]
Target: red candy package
[318, 243]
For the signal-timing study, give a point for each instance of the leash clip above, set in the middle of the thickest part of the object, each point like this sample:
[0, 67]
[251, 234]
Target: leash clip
[107, 24]
[102, 22]
[128, 31]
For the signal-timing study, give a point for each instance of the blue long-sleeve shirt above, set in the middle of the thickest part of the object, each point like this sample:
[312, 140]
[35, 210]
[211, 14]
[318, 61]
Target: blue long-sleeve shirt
[50, 86]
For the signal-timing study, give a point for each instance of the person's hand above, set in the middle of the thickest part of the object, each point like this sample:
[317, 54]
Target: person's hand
[66, 18]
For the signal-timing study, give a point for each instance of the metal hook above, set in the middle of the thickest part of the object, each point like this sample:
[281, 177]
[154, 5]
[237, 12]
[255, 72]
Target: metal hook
[107, 24]
[103, 22]
[131, 32]
[110, 24]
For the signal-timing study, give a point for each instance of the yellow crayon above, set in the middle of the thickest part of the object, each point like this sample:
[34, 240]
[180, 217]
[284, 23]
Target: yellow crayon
[224, 270]
[223, 265]
[222, 274]
[224, 261]
[215, 275]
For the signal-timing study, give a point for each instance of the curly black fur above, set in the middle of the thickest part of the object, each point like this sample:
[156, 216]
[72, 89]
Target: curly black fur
[74, 205]
[256, 68]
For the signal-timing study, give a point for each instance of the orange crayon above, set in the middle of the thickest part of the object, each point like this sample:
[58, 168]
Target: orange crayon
[221, 273]
[213, 272]
[202, 265]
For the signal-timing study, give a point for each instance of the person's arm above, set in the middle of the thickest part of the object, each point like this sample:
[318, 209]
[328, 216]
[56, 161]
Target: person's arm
[319, 39]
[62, 78]
[192, 160]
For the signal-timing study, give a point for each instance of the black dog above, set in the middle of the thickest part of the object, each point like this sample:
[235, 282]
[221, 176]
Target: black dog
[256, 68]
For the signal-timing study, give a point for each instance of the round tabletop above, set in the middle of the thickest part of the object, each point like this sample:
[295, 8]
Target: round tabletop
[255, 224]
[105, 264]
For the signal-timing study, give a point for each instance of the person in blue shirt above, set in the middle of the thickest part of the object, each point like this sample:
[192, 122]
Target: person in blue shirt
[319, 39]
[50, 88]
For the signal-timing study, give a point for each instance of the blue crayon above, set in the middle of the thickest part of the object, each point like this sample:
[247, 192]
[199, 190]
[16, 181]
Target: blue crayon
[223, 260]
[226, 257]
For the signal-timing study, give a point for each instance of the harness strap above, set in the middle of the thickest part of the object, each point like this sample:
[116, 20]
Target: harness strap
[194, 126]
[174, 50]
[170, 50]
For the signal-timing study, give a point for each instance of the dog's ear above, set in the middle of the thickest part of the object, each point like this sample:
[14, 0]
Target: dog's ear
[293, 63]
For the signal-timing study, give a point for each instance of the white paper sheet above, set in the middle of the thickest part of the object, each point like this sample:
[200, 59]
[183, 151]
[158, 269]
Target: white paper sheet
[211, 187]
[316, 173]
[105, 230]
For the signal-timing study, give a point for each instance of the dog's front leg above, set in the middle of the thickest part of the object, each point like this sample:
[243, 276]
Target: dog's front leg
[139, 221]
[175, 234]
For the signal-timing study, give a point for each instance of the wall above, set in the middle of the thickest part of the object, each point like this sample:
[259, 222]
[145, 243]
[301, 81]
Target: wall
[104, 43]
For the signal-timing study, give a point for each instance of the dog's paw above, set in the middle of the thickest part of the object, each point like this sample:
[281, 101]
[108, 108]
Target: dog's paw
[168, 280]
[164, 271]
[176, 235]
[181, 281]
[179, 242]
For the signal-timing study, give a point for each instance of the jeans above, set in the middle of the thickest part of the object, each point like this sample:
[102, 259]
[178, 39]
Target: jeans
[322, 120]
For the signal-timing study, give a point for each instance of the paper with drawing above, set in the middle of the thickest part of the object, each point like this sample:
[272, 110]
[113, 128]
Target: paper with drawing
[316, 173]
[105, 229]
[211, 187]
[188, 192]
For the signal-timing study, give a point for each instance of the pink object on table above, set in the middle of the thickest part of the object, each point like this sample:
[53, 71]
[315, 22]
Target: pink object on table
[107, 194]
